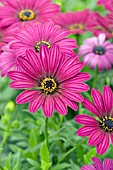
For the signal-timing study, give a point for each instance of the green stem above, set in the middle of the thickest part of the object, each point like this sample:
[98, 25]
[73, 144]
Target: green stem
[71, 150]
[95, 78]
[46, 132]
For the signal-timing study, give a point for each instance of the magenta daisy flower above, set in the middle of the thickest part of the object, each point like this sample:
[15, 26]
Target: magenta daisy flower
[97, 52]
[100, 131]
[107, 164]
[75, 22]
[35, 35]
[106, 4]
[51, 81]
[22, 11]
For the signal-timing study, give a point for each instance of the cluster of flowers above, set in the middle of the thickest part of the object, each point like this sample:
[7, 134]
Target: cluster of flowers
[39, 58]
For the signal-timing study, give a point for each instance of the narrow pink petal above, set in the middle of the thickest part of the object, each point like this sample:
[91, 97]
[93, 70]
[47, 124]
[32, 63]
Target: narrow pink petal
[27, 67]
[22, 84]
[36, 103]
[111, 136]
[96, 137]
[48, 106]
[27, 96]
[107, 98]
[34, 59]
[76, 87]
[88, 167]
[98, 100]
[60, 106]
[91, 107]
[108, 164]
[17, 75]
[86, 120]
[86, 130]
[97, 163]
[104, 145]
[72, 96]
[101, 39]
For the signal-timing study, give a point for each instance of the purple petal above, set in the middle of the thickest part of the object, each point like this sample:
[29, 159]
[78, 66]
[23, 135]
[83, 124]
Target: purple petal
[72, 96]
[104, 145]
[107, 98]
[108, 164]
[86, 131]
[60, 106]
[97, 163]
[98, 100]
[48, 106]
[88, 167]
[86, 120]
[27, 96]
[23, 84]
[36, 103]
[96, 137]
[91, 107]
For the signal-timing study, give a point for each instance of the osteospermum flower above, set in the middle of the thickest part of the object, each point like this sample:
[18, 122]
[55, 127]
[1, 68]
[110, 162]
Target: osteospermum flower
[22, 11]
[97, 52]
[35, 35]
[75, 22]
[100, 131]
[107, 164]
[50, 80]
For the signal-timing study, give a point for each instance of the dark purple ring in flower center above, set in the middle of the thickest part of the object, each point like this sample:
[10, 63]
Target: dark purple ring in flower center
[99, 50]
[106, 124]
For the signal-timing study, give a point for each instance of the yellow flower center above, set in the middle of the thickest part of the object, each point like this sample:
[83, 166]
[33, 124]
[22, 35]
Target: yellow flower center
[76, 27]
[48, 86]
[37, 47]
[26, 15]
[106, 124]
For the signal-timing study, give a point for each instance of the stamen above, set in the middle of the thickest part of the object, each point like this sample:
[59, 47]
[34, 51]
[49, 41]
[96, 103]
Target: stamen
[37, 47]
[26, 15]
[48, 86]
[76, 27]
[99, 50]
[106, 124]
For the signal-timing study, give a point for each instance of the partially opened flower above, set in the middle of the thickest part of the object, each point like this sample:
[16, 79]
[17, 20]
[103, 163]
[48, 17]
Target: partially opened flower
[76, 22]
[106, 4]
[33, 36]
[107, 164]
[8, 61]
[102, 24]
[24, 12]
[6, 35]
[97, 52]
[49, 80]
[100, 131]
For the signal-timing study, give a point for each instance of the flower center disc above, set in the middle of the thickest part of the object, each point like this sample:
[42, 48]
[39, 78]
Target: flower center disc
[76, 27]
[107, 124]
[48, 86]
[99, 50]
[26, 15]
[38, 45]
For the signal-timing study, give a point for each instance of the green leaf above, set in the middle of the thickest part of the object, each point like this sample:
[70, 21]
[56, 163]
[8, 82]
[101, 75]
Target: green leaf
[45, 157]
[8, 164]
[61, 166]
[35, 164]
[89, 155]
